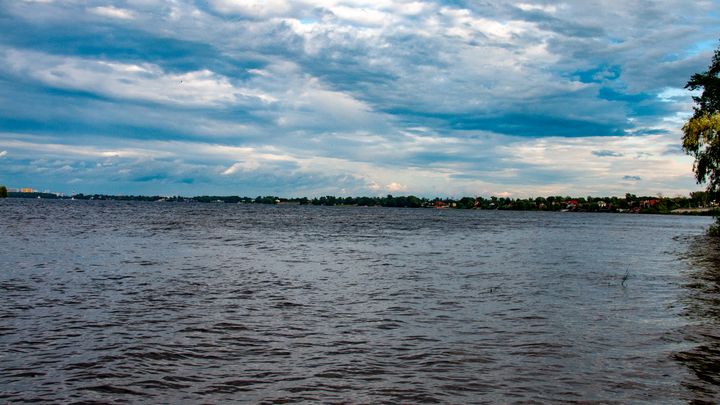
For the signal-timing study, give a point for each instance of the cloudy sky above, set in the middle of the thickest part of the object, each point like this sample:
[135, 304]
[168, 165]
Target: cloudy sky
[350, 97]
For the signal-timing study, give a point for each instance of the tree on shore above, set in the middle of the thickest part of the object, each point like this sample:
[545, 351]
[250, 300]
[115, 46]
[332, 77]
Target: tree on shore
[701, 133]
[3, 192]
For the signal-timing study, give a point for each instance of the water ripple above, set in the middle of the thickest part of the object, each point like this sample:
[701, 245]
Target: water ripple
[107, 302]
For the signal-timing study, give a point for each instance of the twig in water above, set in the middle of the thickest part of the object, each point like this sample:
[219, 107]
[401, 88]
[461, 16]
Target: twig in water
[491, 288]
[625, 277]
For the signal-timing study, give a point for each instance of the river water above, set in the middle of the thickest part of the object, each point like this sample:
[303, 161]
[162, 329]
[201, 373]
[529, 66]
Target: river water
[183, 303]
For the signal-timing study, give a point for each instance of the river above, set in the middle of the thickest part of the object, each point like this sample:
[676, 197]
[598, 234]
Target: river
[185, 303]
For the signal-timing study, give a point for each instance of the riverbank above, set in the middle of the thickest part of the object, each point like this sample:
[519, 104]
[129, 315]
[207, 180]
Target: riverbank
[685, 210]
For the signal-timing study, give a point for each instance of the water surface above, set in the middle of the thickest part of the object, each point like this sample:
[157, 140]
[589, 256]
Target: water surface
[172, 303]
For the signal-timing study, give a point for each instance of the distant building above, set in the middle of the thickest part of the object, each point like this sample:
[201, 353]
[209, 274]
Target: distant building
[648, 203]
[13, 190]
[26, 190]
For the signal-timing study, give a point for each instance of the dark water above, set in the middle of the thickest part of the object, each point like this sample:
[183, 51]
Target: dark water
[161, 303]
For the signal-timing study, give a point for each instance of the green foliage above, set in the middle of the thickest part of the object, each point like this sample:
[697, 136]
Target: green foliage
[714, 230]
[701, 134]
[701, 140]
[269, 199]
[3, 192]
[709, 81]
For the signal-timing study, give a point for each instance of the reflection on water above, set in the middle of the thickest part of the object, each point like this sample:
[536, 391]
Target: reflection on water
[701, 303]
[111, 302]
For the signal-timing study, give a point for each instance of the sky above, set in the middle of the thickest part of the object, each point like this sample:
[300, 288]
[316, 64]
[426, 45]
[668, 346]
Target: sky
[350, 97]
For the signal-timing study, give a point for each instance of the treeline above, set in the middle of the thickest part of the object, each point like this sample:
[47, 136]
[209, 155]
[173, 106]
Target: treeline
[128, 197]
[631, 202]
[29, 195]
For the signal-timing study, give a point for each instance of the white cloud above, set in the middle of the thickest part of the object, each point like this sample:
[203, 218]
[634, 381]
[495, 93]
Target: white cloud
[256, 8]
[363, 16]
[395, 187]
[3, 153]
[132, 81]
[412, 8]
[528, 7]
[32, 146]
[242, 166]
[112, 12]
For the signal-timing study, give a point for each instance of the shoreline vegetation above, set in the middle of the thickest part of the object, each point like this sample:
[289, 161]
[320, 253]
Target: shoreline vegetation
[702, 131]
[697, 203]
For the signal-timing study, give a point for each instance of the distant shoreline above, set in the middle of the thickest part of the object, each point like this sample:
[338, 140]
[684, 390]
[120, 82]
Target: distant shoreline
[683, 210]
[629, 205]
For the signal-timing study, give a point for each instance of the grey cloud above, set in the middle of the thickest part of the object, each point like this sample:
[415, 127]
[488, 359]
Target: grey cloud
[607, 153]
[567, 28]
[393, 76]
[158, 176]
[674, 150]
[637, 178]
